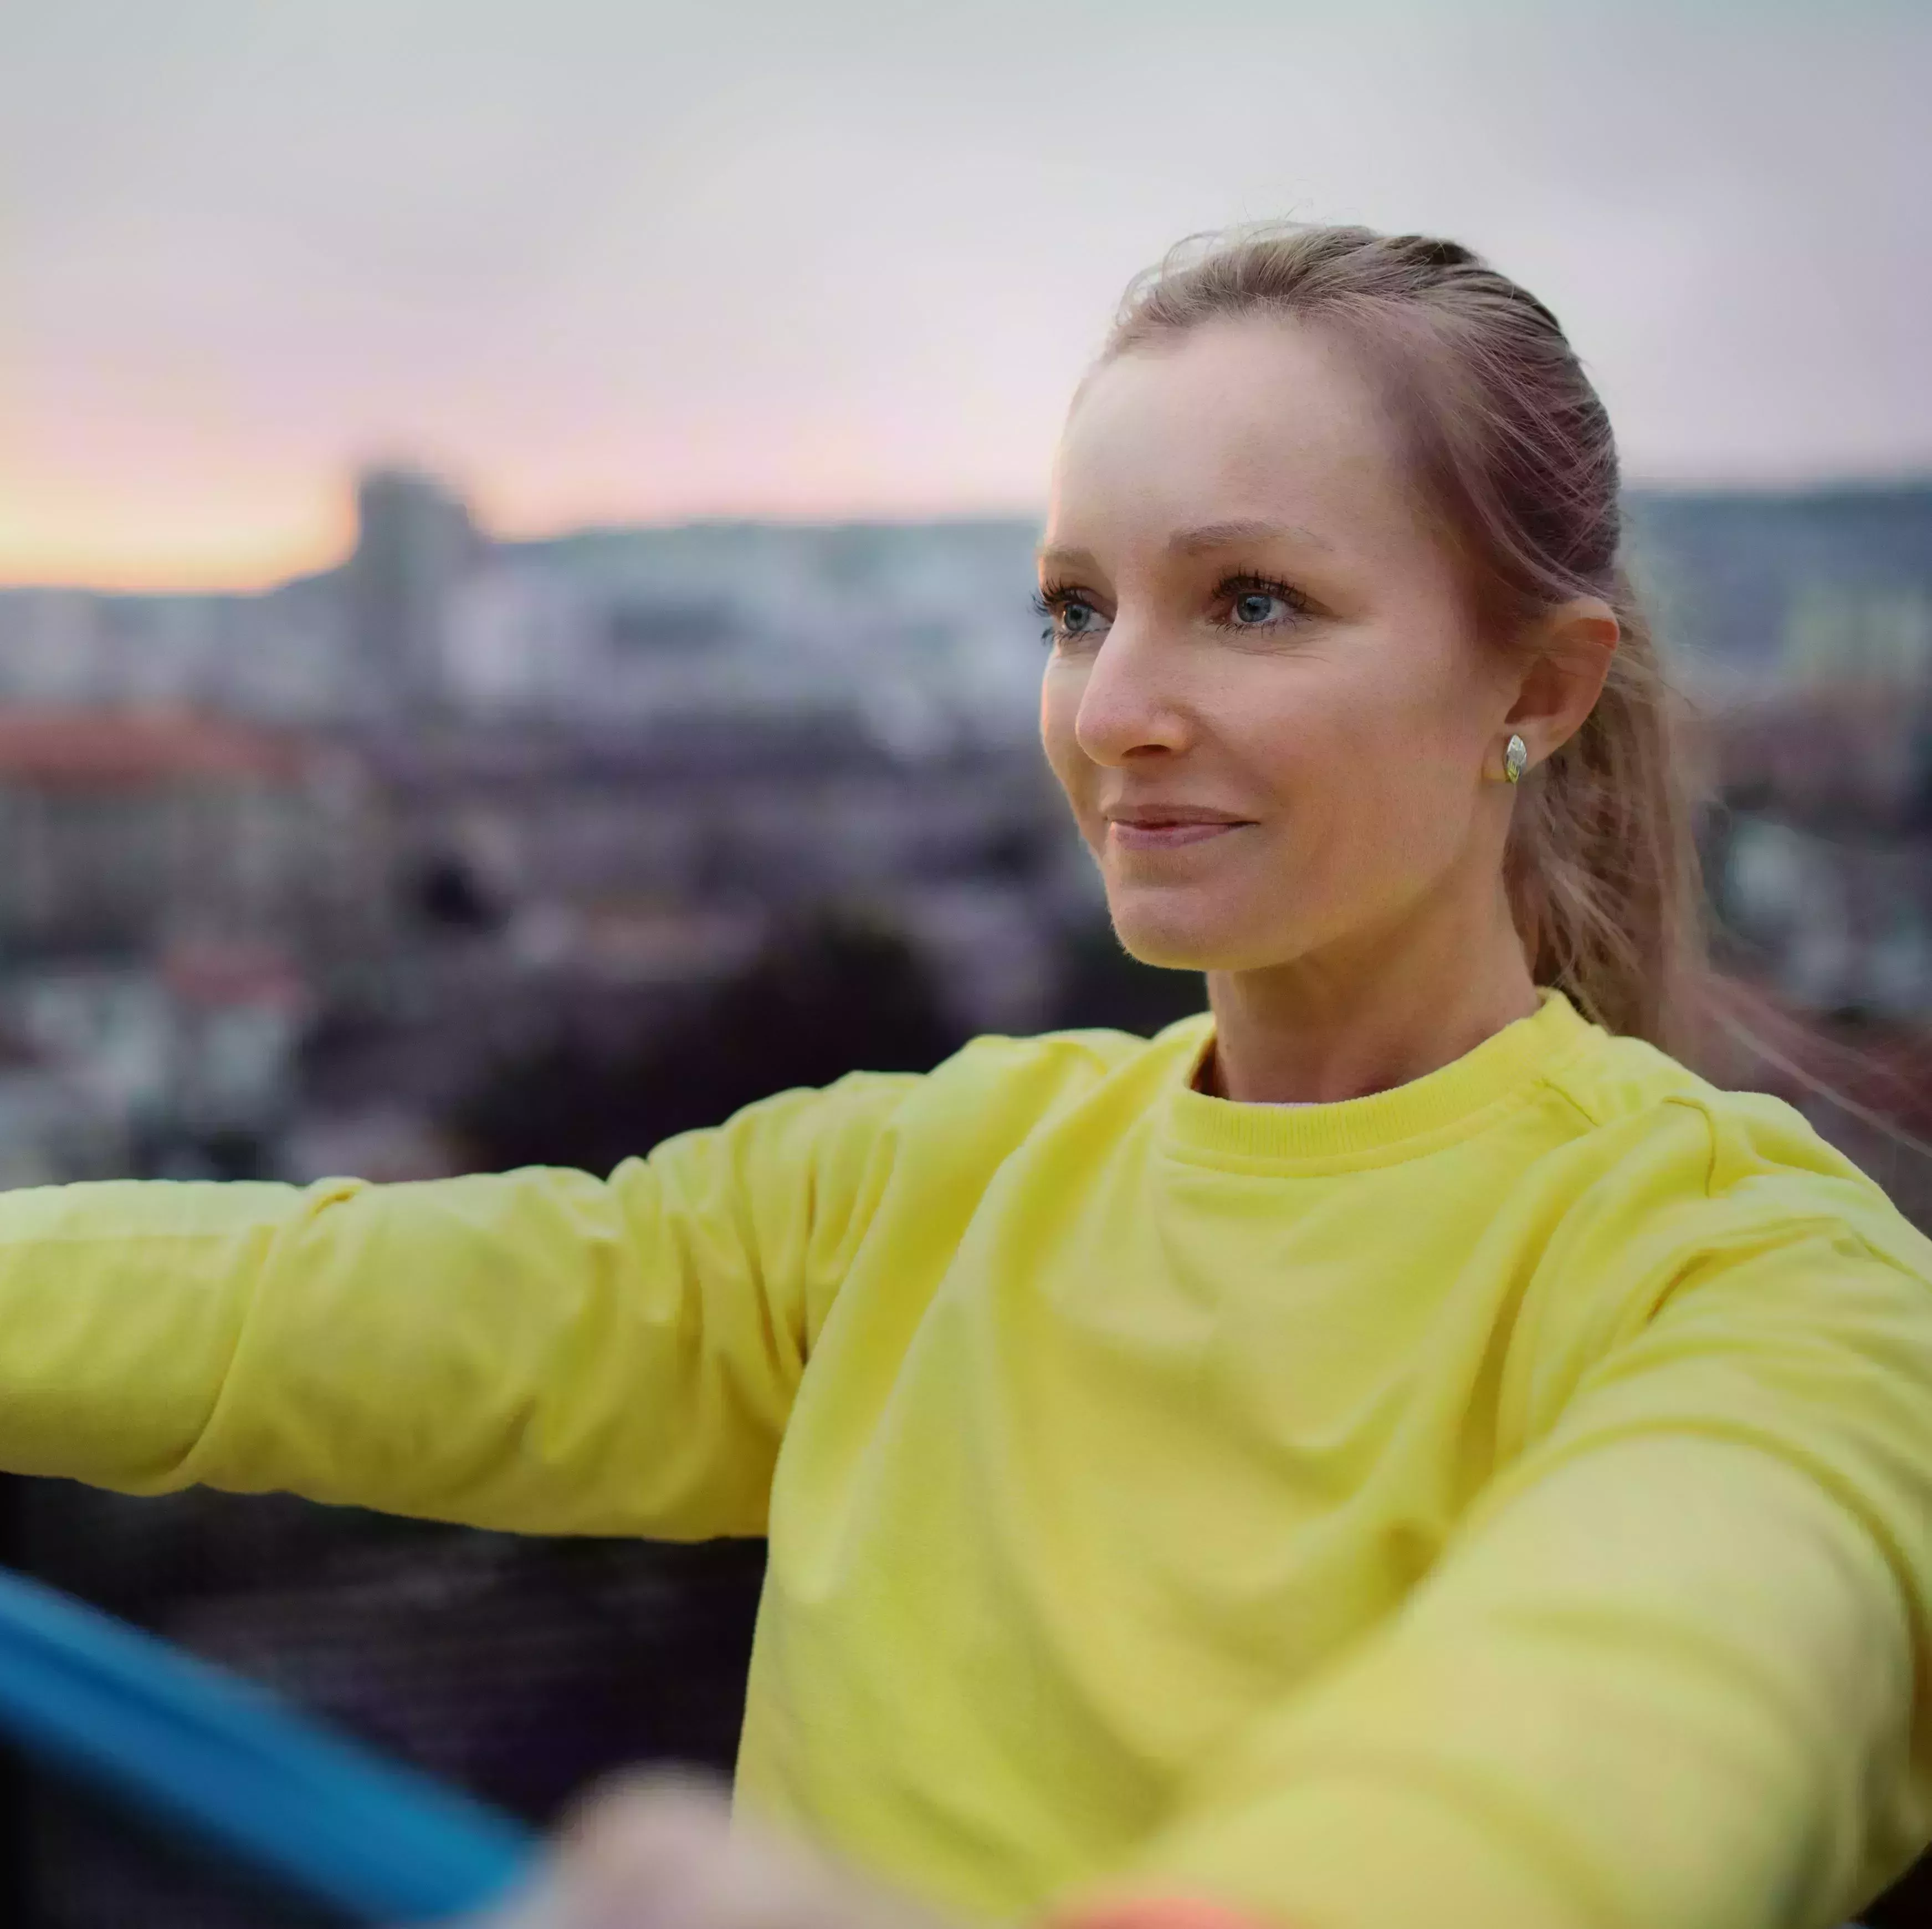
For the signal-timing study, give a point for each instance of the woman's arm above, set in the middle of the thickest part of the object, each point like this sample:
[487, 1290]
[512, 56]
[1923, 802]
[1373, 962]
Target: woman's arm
[541, 1351]
[1672, 1674]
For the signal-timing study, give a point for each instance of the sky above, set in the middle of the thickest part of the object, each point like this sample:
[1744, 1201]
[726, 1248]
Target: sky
[613, 260]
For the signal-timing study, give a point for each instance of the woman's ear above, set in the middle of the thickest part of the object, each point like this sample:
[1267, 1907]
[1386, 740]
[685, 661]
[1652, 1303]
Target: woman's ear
[1567, 658]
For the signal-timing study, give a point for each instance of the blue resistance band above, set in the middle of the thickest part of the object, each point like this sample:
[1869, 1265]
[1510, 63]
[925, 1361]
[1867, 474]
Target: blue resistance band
[215, 1757]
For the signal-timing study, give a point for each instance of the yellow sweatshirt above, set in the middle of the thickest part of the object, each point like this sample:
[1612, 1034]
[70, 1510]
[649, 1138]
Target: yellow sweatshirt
[1503, 1502]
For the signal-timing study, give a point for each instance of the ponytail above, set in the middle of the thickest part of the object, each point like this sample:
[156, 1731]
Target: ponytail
[1601, 867]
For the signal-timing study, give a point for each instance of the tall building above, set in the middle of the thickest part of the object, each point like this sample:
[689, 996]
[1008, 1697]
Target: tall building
[414, 542]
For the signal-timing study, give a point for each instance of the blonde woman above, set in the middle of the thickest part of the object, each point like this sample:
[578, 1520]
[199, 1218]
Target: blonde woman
[1396, 1451]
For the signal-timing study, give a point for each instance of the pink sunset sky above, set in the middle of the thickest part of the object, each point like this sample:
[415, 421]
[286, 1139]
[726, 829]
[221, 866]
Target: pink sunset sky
[602, 260]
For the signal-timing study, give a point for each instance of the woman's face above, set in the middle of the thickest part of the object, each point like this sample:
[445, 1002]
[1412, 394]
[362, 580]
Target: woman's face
[1250, 616]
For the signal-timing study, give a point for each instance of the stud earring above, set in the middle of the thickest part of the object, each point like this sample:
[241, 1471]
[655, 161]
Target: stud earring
[1516, 759]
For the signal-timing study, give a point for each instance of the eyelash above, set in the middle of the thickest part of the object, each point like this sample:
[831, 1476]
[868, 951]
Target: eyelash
[1054, 597]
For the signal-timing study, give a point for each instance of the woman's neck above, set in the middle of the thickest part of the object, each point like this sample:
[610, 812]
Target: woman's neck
[1390, 1011]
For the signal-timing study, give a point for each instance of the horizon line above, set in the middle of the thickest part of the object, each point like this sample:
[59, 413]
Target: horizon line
[297, 563]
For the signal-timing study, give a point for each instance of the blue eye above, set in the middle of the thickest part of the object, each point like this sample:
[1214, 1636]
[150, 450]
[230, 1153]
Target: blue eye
[1258, 602]
[1068, 614]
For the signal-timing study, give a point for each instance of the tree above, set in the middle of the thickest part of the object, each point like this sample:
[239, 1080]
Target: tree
[835, 988]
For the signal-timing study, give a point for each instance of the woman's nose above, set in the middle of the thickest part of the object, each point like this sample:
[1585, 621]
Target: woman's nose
[1129, 701]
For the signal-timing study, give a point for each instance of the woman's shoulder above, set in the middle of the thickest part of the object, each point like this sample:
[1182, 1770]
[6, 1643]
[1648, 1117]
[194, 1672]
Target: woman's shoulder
[953, 1125]
[1069, 1062]
[1750, 1157]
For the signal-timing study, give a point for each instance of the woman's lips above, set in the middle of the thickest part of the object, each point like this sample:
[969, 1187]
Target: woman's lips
[1161, 837]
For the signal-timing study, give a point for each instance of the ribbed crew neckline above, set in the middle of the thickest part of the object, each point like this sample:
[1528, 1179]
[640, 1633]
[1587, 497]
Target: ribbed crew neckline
[1504, 1066]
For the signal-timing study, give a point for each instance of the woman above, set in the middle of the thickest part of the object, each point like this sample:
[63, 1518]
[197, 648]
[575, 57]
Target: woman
[1395, 1449]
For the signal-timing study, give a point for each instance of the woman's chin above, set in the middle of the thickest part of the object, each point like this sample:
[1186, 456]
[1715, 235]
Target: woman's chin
[1170, 943]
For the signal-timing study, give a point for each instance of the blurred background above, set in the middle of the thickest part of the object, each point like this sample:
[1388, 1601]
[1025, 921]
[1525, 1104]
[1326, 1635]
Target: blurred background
[515, 536]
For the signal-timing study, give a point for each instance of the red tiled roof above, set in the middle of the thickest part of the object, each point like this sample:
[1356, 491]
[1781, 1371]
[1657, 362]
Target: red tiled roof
[137, 750]
[214, 973]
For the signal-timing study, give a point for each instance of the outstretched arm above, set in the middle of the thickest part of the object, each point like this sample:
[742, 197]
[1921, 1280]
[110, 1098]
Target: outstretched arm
[541, 1351]
[1673, 1675]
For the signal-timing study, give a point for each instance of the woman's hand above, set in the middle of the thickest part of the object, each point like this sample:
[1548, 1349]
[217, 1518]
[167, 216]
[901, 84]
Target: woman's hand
[660, 1851]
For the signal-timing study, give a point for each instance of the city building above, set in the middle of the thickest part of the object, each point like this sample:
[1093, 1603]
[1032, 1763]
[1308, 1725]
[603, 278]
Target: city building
[415, 544]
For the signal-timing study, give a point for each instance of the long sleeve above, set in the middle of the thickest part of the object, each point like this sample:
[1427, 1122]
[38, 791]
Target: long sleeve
[1672, 1673]
[541, 1350]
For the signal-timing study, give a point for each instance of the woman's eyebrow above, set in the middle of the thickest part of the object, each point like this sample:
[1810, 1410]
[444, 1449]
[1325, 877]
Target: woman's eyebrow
[1209, 536]
[1226, 535]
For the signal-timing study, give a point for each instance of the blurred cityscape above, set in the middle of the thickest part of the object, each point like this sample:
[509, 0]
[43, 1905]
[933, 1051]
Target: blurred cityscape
[471, 853]
[294, 875]
[297, 880]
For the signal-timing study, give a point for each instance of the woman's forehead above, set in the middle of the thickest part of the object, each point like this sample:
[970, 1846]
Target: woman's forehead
[1248, 422]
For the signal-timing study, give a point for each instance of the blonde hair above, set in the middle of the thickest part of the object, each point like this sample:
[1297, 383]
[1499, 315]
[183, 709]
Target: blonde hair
[1514, 453]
